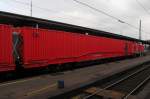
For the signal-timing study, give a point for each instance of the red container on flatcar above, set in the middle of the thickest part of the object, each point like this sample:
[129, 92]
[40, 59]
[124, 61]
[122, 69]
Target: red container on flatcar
[141, 48]
[34, 48]
[6, 48]
[42, 47]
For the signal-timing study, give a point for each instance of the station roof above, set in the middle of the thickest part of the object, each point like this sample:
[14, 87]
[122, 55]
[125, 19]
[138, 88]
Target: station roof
[22, 20]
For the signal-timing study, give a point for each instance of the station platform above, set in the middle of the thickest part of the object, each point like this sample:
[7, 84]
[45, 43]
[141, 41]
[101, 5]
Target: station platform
[45, 86]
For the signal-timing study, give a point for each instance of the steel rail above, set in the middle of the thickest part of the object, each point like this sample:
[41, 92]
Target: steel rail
[101, 90]
[137, 87]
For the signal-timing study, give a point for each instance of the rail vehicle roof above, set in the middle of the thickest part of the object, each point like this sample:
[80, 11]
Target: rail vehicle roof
[22, 20]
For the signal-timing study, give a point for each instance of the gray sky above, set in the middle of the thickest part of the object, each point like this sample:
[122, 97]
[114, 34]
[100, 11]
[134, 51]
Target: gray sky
[71, 12]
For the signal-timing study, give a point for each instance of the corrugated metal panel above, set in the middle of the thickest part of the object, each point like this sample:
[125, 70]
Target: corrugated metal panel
[6, 48]
[43, 47]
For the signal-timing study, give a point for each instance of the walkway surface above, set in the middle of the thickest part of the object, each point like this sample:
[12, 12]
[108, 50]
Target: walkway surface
[44, 86]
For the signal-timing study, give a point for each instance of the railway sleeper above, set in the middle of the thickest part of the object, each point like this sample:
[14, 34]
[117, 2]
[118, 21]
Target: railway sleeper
[108, 94]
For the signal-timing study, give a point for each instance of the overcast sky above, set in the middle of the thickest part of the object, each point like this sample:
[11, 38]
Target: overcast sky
[69, 11]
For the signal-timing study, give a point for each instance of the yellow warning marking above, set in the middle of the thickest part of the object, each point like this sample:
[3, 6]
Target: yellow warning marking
[42, 89]
[20, 81]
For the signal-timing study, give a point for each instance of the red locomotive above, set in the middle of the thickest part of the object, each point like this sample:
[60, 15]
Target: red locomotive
[38, 48]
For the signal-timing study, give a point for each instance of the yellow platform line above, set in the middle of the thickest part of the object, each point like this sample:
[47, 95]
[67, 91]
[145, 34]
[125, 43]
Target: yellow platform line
[41, 89]
[20, 81]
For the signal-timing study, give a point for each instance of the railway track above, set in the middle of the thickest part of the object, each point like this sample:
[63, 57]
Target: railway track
[124, 86]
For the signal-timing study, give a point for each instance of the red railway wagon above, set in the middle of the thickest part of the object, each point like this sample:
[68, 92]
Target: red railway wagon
[141, 48]
[130, 47]
[42, 47]
[6, 48]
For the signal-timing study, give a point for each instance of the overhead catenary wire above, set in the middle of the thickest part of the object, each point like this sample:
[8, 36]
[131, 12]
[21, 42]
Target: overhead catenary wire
[36, 6]
[82, 3]
[98, 10]
[142, 6]
[42, 8]
[111, 16]
[33, 5]
[49, 10]
[119, 20]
